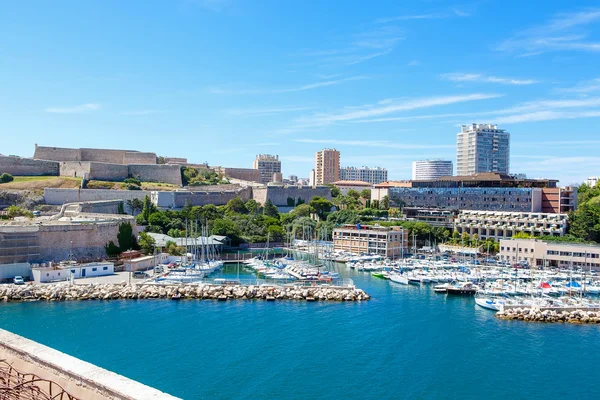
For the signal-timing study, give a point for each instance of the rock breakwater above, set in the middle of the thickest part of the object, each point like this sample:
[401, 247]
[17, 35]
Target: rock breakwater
[551, 315]
[65, 292]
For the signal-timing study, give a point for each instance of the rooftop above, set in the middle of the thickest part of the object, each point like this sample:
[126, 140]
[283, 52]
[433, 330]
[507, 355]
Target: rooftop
[352, 183]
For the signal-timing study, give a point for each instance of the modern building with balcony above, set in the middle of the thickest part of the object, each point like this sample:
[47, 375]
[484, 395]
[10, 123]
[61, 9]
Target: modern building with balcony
[502, 225]
[268, 165]
[431, 169]
[364, 174]
[391, 242]
[327, 167]
[482, 148]
[538, 253]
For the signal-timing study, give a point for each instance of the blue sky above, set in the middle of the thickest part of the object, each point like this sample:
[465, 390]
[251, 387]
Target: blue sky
[384, 82]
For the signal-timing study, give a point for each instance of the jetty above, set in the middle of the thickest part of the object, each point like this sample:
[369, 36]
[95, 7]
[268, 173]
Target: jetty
[202, 291]
[572, 315]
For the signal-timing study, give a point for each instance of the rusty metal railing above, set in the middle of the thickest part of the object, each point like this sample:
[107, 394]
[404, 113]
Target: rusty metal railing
[17, 385]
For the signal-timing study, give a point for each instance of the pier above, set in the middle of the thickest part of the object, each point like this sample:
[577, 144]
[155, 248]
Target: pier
[202, 291]
[572, 315]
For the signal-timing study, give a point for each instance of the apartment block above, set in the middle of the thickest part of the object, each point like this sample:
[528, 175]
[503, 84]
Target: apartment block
[364, 174]
[327, 167]
[503, 225]
[431, 169]
[540, 253]
[268, 165]
[391, 242]
[482, 148]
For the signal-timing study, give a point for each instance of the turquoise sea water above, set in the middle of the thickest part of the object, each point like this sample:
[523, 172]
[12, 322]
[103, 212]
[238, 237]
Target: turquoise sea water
[407, 342]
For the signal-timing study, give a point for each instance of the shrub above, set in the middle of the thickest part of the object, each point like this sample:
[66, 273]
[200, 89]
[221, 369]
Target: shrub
[5, 178]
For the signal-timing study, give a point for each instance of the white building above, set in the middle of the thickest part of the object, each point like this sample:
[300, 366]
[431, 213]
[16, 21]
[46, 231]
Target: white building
[504, 224]
[63, 272]
[346, 186]
[429, 170]
[364, 174]
[592, 181]
[482, 148]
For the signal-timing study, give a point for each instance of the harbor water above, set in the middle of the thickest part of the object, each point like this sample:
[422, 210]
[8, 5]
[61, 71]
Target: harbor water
[407, 342]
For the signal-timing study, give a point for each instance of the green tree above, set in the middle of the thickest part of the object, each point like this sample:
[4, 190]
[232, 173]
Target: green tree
[146, 242]
[353, 193]
[236, 205]
[320, 206]
[335, 191]
[270, 209]
[125, 237]
[385, 203]
[253, 206]
[112, 250]
[227, 227]
[16, 211]
[5, 178]
[342, 217]
[173, 249]
[365, 194]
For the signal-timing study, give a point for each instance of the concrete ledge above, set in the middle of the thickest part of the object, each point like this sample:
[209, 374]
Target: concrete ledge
[79, 378]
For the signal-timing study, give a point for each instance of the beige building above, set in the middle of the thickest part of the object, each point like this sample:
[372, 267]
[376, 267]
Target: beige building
[389, 242]
[504, 224]
[267, 165]
[327, 166]
[346, 186]
[538, 253]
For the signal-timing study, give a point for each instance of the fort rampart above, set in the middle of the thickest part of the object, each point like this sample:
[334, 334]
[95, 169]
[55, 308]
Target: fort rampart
[26, 166]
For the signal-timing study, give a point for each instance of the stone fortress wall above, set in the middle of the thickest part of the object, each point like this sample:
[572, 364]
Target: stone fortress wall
[244, 174]
[94, 170]
[27, 167]
[279, 194]
[99, 155]
[166, 173]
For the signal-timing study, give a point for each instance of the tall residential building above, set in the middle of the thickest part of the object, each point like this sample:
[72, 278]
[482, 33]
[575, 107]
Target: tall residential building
[327, 166]
[430, 169]
[592, 181]
[364, 174]
[482, 148]
[267, 165]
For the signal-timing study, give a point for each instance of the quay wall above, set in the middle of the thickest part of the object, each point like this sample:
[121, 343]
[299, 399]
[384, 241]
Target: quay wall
[80, 379]
[26, 166]
[57, 196]
[163, 173]
[279, 194]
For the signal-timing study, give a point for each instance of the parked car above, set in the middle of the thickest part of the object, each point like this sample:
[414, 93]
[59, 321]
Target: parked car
[140, 275]
[159, 269]
[18, 280]
[36, 213]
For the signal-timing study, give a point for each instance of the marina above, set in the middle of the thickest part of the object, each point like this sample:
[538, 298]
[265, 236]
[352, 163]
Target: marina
[405, 330]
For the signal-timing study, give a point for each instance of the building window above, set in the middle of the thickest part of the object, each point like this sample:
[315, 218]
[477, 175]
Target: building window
[105, 268]
[94, 269]
[72, 271]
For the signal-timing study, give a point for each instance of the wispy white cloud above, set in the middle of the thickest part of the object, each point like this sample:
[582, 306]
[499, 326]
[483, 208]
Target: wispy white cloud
[413, 63]
[140, 112]
[375, 143]
[82, 108]
[466, 77]
[454, 12]
[390, 106]
[255, 112]
[354, 59]
[310, 86]
[562, 32]
[582, 87]
[545, 116]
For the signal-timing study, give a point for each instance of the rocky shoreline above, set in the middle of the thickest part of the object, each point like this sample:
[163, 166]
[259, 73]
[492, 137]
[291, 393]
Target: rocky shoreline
[557, 315]
[66, 292]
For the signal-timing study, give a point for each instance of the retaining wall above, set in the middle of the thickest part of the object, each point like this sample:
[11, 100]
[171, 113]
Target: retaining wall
[178, 199]
[245, 174]
[26, 166]
[157, 173]
[57, 197]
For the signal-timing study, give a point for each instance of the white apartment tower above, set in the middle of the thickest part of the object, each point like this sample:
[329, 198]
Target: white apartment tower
[327, 166]
[482, 148]
[364, 174]
[267, 165]
[429, 170]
